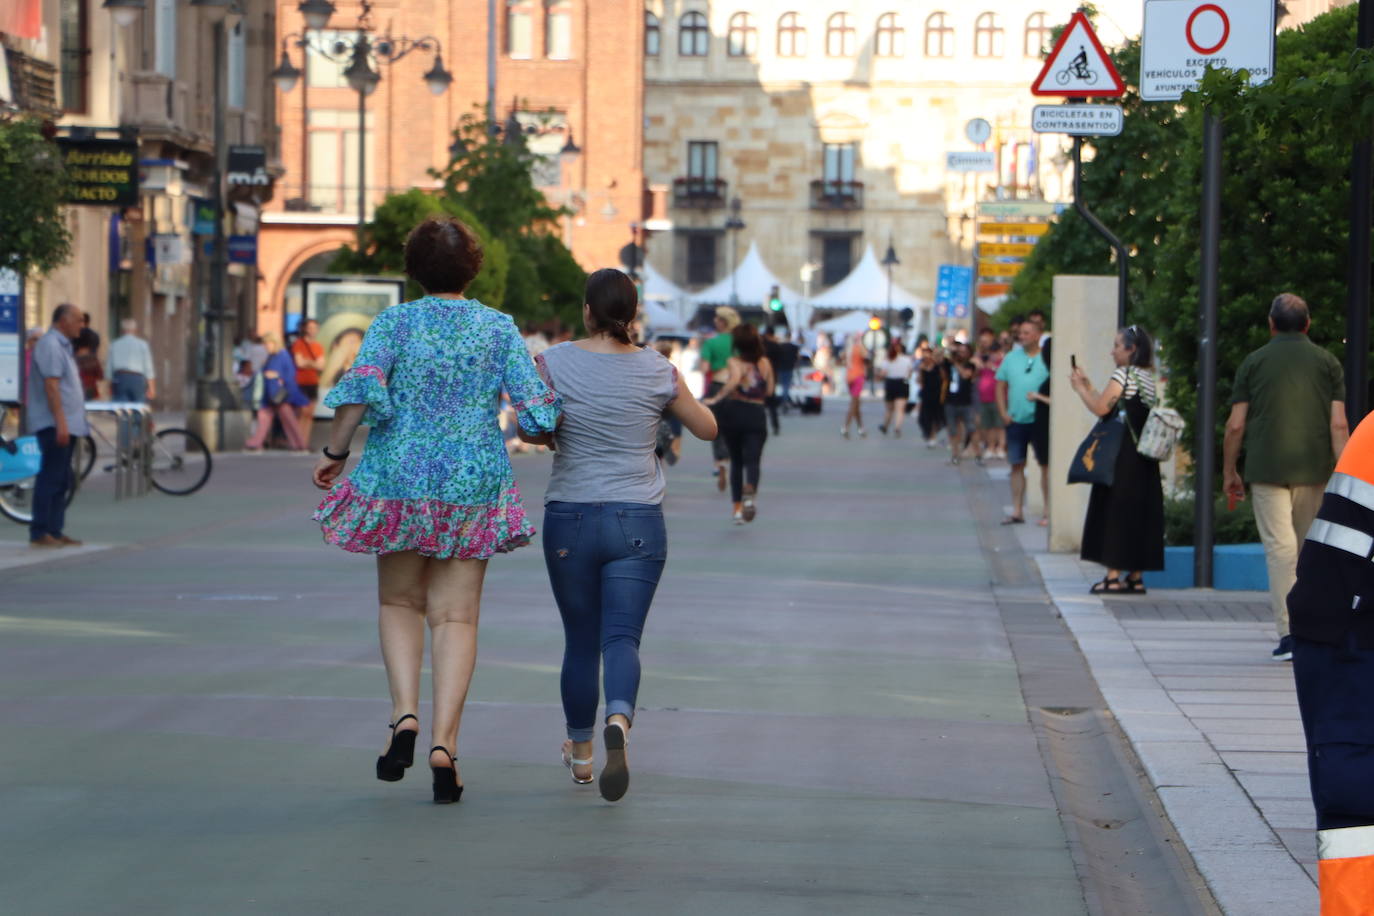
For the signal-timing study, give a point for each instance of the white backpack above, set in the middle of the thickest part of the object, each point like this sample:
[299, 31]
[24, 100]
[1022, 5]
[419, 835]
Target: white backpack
[1160, 434]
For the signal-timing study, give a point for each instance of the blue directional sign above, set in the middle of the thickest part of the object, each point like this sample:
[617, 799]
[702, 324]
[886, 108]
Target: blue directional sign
[953, 290]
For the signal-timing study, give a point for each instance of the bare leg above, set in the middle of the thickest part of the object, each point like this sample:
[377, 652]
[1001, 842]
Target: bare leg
[1018, 490]
[401, 625]
[287, 414]
[305, 420]
[454, 601]
[1045, 494]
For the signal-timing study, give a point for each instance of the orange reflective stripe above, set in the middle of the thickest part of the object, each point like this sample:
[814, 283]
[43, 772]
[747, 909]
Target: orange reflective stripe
[1347, 886]
[1358, 458]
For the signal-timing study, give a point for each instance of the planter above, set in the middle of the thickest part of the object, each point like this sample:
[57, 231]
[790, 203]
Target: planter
[1236, 567]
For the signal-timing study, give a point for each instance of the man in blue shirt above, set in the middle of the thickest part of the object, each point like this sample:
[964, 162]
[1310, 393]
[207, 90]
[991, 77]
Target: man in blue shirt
[55, 411]
[1022, 373]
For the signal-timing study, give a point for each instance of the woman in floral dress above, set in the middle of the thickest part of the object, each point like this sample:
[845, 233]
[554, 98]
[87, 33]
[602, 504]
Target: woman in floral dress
[433, 495]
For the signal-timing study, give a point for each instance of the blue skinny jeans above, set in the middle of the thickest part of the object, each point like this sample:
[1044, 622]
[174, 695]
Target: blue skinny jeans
[604, 562]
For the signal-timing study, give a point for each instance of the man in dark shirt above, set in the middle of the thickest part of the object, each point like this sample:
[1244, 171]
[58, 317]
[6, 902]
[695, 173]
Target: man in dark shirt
[1288, 412]
[783, 354]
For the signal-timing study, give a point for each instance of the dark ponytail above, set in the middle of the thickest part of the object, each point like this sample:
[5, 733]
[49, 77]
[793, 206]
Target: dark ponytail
[613, 303]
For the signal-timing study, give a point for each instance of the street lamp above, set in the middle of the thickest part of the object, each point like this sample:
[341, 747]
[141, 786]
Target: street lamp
[733, 225]
[890, 261]
[360, 53]
[125, 12]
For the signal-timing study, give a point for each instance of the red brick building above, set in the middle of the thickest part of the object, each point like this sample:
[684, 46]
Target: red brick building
[562, 65]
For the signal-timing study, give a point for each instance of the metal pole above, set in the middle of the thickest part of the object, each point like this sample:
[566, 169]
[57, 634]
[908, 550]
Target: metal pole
[734, 293]
[491, 66]
[1204, 509]
[1361, 215]
[211, 394]
[1122, 265]
[362, 170]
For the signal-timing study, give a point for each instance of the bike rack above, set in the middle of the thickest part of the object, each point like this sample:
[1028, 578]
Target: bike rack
[133, 440]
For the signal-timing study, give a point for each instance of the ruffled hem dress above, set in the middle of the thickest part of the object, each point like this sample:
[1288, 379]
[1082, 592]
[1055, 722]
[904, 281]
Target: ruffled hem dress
[434, 476]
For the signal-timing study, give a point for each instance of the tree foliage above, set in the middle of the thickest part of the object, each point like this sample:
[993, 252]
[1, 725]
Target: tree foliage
[33, 186]
[1285, 201]
[528, 271]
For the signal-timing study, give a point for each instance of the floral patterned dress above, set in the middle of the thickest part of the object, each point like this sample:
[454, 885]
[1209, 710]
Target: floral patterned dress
[435, 477]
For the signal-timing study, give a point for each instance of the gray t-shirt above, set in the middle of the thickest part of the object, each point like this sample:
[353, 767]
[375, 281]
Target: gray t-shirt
[612, 403]
[52, 358]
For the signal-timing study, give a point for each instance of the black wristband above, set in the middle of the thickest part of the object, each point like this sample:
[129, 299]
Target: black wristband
[332, 457]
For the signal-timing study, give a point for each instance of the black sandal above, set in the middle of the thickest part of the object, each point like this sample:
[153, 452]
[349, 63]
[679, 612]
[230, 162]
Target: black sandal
[1105, 586]
[1013, 520]
[1135, 586]
[447, 788]
[400, 755]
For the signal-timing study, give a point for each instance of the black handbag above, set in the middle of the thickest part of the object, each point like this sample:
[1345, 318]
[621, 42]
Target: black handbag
[1095, 460]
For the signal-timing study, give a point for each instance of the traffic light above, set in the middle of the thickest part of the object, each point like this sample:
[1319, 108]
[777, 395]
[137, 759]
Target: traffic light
[775, 299]
[874, 324]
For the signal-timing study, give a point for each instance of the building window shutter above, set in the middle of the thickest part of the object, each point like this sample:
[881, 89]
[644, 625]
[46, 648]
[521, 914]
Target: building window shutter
[237, 82]
[165, 38]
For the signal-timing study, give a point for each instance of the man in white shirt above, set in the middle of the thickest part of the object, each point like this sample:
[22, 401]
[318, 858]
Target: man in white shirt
[132, 376]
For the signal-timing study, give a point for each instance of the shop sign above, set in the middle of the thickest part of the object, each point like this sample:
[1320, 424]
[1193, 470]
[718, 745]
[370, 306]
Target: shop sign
[102, 173]
[247, 167]
[11, 335]
[202, 216]
[243, 249]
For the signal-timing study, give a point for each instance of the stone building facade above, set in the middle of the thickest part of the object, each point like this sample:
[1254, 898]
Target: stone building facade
[565, 66]
[830, 123]
[152, 81]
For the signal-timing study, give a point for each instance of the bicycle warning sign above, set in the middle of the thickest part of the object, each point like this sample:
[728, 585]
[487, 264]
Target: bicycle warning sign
[1182, 38]
[1078, 66]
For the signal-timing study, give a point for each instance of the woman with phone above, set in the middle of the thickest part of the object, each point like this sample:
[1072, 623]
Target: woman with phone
[1124, 528]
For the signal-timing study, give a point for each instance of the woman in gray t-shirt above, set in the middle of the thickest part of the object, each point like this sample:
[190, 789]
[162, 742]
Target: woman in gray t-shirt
[604, 539]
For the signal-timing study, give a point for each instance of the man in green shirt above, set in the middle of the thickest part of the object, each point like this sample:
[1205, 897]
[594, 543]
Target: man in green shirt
[716, 351]
[1288, 414]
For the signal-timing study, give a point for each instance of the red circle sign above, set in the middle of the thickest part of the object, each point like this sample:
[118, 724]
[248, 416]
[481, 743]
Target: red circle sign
[1225, 28]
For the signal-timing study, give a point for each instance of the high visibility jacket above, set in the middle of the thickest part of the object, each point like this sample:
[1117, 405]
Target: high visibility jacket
[1334, 594]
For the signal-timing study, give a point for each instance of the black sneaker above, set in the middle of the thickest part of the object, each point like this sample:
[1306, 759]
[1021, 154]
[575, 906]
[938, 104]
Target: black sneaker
[1284, 652]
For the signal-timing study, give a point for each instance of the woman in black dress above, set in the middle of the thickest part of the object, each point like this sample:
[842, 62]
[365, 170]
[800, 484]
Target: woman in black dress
[1124, 530]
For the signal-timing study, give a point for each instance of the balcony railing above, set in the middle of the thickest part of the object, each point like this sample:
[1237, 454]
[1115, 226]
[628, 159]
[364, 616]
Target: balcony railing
[699, 193]
[828, 194]
[33, 83]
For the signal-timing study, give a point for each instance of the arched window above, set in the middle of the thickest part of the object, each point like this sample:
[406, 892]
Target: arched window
[840, 36]
[889, 40]
[653, 37]
[693, 37]
[791, 36]
[1037, 35]
[939, 36]
[558, 30]
[742, 40]
[987, 36]
[519, 29]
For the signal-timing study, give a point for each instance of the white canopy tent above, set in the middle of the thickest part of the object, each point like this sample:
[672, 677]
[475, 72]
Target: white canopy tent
[659, 318]
[665, 293]
[751, 281]
[865, 289]
[841, 327]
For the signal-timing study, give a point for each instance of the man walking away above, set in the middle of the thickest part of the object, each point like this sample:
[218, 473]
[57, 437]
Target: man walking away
[1018, 383]
[56, 413]
[132, 376]
[1288, 413]
[1333, 664]
[782, 355]
[715, 357]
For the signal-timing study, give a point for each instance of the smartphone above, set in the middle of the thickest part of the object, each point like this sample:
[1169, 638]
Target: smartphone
[1073, 361]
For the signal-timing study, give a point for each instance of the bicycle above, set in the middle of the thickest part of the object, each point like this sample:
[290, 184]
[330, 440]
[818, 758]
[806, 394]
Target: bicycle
[179, 462]
[1078, 67]
[20, 460]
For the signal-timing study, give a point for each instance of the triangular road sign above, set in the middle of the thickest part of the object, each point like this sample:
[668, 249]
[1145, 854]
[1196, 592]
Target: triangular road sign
[1078, 66]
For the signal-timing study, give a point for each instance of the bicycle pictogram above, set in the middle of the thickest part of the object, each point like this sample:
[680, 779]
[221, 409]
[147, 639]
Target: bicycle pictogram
[1077, 69]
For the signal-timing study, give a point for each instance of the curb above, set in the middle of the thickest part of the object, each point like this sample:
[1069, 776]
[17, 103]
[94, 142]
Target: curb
[1246, 866]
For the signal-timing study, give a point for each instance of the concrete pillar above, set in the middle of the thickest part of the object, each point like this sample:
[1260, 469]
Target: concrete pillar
[1084, 326]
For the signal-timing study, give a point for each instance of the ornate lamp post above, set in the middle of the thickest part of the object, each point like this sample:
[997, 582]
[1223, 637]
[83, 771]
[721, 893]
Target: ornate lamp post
[889, 261]
[364, 54]
[733, 225]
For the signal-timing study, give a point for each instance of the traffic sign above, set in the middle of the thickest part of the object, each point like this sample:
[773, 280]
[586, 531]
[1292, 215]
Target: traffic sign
[978, 131]
[1019, 209]
[953, 284]
[1005, 249]
[988, 290]
[1078, 66]
[972, 161]
[1078, 120]
[1182, 38]
[999, 269]
[1031, 229]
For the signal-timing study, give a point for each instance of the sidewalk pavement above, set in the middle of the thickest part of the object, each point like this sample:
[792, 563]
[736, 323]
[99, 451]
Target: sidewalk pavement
[1214, 721]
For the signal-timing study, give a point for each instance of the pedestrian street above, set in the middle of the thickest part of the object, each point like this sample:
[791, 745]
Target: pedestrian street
[832, 717]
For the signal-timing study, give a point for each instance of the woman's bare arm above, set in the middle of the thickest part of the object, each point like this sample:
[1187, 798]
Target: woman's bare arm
[694, 415]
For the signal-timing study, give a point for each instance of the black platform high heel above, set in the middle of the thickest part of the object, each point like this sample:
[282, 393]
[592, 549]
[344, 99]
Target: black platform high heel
[392, 765]
[446, 787]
